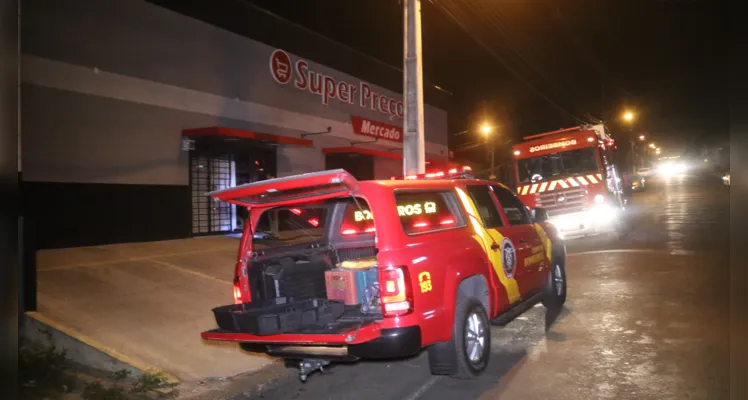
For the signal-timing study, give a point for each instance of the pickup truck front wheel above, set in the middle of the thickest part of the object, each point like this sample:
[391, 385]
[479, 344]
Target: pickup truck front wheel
[467, 354]
[555, 291]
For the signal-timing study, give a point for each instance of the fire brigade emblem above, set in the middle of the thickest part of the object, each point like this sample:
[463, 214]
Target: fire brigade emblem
[560, 198]
[508, 257]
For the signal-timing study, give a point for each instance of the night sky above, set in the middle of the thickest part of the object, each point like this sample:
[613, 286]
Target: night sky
[529, 66]
[551, 63]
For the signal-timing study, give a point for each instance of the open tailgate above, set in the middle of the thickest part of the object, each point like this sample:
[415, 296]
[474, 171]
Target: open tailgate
[343, 336]
[290, 189]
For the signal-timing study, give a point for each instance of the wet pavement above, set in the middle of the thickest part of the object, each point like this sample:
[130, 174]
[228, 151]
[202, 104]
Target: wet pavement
[646, 318]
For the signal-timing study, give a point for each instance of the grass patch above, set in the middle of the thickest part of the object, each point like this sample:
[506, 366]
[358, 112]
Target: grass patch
[47, 373]
[146, 387]
[44, 371]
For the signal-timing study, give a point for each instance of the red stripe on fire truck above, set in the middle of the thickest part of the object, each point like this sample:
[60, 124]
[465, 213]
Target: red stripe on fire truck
[592, 178]
[543, 186]
[600, 176]
[582, 180]
[533, 188]
[573, 182]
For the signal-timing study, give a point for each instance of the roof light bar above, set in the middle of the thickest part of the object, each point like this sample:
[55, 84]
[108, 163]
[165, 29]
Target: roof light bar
[453, 173]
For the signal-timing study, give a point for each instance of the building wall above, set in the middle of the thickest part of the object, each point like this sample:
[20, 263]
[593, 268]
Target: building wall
[137, 52]
[384, 168]
[108, 88]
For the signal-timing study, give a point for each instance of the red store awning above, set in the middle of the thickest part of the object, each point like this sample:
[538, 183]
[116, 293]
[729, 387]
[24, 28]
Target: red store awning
[218, 131]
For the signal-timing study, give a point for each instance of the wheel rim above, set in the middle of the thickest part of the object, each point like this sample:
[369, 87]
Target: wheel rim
[475, 338]
[558, 280]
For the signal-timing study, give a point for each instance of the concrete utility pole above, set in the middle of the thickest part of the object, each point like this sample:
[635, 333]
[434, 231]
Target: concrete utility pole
[414, 152]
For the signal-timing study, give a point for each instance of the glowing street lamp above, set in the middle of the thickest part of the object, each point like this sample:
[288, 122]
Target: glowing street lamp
[642, 137]
[486, 129]
[652, 145]
[628, 116]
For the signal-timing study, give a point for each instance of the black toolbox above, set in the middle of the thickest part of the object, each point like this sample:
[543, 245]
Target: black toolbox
[279, 315]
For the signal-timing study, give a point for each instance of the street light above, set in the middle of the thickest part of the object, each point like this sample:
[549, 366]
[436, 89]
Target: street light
[628, 116]
[642, 137]
[652, 145]
[486, 130]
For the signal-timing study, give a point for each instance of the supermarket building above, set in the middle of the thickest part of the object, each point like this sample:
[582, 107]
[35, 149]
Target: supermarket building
[131, 112]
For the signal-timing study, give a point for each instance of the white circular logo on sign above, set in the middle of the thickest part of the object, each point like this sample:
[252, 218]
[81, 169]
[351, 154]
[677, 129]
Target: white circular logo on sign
[508, 257]
[280, 66]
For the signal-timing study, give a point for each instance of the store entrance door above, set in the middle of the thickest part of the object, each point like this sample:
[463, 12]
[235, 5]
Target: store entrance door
[220, 163]
[206, 175]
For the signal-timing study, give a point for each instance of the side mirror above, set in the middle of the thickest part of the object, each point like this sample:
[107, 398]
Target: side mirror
[540, 215]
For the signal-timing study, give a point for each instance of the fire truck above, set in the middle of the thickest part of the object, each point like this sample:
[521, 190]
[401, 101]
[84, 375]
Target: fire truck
[572, 174]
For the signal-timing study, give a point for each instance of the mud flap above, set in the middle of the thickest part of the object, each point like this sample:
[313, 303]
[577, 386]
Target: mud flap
[443, 358]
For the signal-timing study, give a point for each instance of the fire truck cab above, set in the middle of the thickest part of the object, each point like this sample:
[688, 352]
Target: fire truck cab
[571, 173]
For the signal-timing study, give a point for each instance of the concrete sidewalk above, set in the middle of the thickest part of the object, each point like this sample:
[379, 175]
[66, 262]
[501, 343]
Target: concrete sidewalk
[148, 302]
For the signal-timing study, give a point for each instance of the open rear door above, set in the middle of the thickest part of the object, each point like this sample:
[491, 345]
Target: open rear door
[290, 190]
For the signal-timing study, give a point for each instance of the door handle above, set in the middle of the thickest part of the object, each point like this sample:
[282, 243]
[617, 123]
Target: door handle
[495, 246]
[522, 241]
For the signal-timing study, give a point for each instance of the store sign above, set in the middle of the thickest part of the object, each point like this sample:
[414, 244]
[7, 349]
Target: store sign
[284, 71]
[554, 145]
[366, 127]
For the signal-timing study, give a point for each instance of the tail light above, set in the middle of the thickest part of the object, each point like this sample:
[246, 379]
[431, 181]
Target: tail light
[241, 284]
[237, 291]
[395, 292]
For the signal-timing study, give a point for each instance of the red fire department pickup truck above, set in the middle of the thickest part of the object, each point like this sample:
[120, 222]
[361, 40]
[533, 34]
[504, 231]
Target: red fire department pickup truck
[334, 269]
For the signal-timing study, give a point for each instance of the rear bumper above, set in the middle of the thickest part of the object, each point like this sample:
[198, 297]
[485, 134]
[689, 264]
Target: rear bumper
[369, 342]
[393, 343]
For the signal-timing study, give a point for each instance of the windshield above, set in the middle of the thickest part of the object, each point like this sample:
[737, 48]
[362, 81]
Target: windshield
[545, 168]
[285, 226]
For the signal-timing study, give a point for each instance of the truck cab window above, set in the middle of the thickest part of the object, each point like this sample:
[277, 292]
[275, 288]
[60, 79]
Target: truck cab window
[515, 210]
[429, 211]
[489, 214]
[558, 165]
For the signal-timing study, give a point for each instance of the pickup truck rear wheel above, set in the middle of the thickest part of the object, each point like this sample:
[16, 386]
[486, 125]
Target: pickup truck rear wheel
[467, 354]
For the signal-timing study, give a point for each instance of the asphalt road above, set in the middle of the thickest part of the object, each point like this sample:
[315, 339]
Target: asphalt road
[646, 318]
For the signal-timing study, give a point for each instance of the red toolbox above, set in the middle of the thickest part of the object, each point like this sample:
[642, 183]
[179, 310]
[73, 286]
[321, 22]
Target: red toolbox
[341, 285]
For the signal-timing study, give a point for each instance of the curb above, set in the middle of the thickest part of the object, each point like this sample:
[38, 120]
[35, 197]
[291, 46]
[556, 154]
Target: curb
[250, 386]
[84, 353]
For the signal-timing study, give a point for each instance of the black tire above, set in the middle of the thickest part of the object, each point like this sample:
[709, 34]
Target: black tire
[452, 358]
[555, 291]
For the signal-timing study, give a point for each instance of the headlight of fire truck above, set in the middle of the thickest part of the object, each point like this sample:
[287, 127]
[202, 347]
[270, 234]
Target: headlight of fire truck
[600, 214]
[603, 214]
